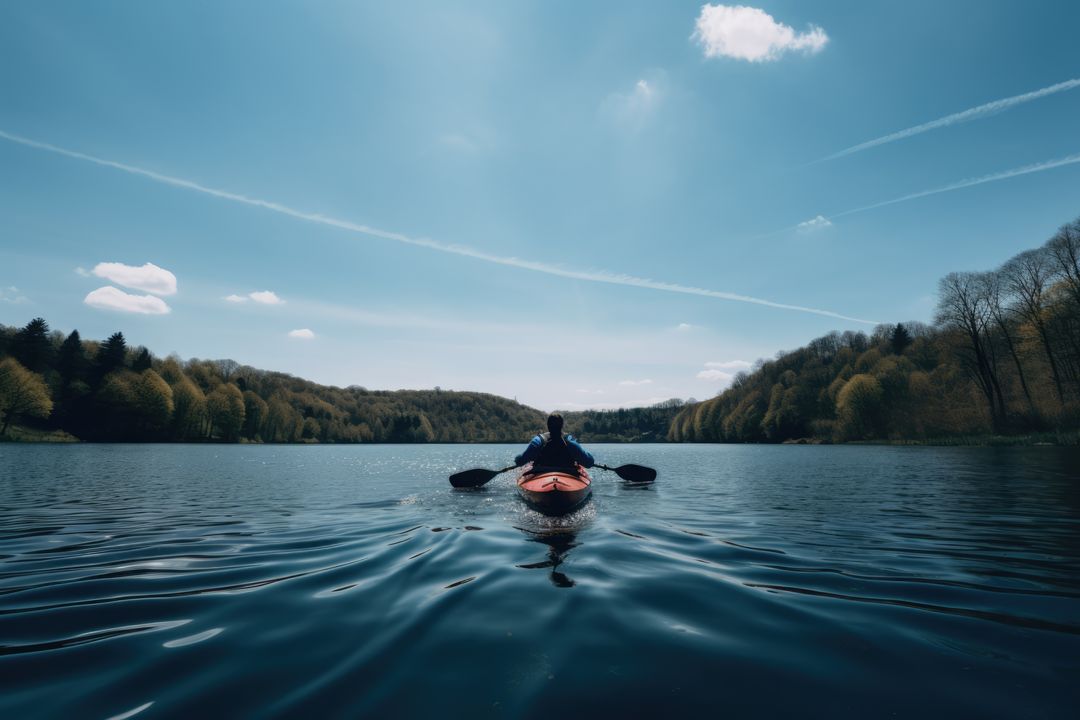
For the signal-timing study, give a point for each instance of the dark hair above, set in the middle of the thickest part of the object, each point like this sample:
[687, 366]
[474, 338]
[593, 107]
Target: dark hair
[555, 423]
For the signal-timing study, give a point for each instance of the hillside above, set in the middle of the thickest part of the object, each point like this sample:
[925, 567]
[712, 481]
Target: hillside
[108, 391]
[1003, 358]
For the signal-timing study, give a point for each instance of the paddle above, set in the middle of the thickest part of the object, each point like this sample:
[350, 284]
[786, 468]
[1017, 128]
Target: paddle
[475, 478]
[633, 473]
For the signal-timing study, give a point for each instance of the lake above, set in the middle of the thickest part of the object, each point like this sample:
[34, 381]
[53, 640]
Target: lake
[158, 581]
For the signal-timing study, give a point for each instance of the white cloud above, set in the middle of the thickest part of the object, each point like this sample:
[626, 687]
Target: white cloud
[148, 278]
[630, 383]
[302, 334]
[730, 365]
[813, 224]
[110, 298]
[751, 34]
[82, 271]
[723, 371]
[266, 297]
[586, 391]
[684, 327]
[263, 297]
[12, 296]
[631, 110]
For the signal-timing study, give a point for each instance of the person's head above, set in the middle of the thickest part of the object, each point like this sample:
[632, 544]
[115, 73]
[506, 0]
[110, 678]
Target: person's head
[555, 423]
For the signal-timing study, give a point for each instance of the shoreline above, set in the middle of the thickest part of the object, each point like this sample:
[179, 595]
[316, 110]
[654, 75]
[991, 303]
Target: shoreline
[22, 435]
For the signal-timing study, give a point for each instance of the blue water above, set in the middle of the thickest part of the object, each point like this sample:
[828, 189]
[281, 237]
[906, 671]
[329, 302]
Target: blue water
[232, 581]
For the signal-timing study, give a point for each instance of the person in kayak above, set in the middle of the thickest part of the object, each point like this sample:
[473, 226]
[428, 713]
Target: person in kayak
[553, 449]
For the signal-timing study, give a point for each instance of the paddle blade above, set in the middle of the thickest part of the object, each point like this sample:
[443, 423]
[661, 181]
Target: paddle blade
[476, 478]
[472, 478]
[636, 473]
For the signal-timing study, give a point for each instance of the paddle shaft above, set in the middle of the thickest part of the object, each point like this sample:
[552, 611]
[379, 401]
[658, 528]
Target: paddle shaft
[475, 478]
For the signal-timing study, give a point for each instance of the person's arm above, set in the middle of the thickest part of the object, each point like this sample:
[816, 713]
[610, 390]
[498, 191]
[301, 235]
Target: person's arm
[582, 456]
[530, 452]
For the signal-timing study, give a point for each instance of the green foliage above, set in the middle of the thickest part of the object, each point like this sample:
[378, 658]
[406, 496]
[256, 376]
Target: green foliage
[22, 394]
[189, 406]
[859, 408]
[152, 403]
[225, 406]
[255, 415]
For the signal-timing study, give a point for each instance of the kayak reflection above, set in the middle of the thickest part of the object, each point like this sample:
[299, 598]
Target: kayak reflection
[559, 546]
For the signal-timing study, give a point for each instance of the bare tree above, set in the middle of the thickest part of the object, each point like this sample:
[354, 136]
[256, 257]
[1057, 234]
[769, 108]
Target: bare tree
[226, 368]
[1064, 248]
[1028, 277]
[962, 306]
[993, 288]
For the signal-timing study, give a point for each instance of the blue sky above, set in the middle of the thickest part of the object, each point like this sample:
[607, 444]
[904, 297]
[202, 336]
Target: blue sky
[551, 201]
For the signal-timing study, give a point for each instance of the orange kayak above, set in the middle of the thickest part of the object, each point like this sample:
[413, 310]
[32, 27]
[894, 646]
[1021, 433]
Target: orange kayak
[554, 491]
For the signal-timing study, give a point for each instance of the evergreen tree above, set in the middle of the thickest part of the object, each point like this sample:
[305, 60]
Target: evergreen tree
[72, 408]
[71, 359]
[32, 347]
[143, 360]
[112, 355]
[900, 339]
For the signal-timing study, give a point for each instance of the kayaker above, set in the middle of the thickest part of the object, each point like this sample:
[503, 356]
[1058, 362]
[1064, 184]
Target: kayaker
[553, 449]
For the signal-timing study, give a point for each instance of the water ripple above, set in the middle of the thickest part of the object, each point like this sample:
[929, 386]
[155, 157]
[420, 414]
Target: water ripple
[355, 582]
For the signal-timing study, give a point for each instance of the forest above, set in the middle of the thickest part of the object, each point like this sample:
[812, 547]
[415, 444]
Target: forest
[109, 391]
[1002, 358]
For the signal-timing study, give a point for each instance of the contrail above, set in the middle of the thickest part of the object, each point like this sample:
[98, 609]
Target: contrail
[589, 276]
[993, 177]
[961, 117]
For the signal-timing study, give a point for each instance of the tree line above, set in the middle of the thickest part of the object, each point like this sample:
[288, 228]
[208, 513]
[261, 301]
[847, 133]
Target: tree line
[109, 391]
[641, 424]
[1002, 357]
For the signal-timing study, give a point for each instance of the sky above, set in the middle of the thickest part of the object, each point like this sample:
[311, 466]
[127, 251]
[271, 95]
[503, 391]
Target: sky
[572, 204]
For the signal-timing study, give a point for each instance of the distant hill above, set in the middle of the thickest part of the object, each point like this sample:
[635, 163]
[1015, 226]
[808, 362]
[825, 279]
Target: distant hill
[107, 391]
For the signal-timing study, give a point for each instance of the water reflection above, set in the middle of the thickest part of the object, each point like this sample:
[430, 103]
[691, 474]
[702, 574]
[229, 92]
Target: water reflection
[559, 544]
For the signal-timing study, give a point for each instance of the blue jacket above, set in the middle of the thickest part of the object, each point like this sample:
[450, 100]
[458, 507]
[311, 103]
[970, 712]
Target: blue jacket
[578, 453]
